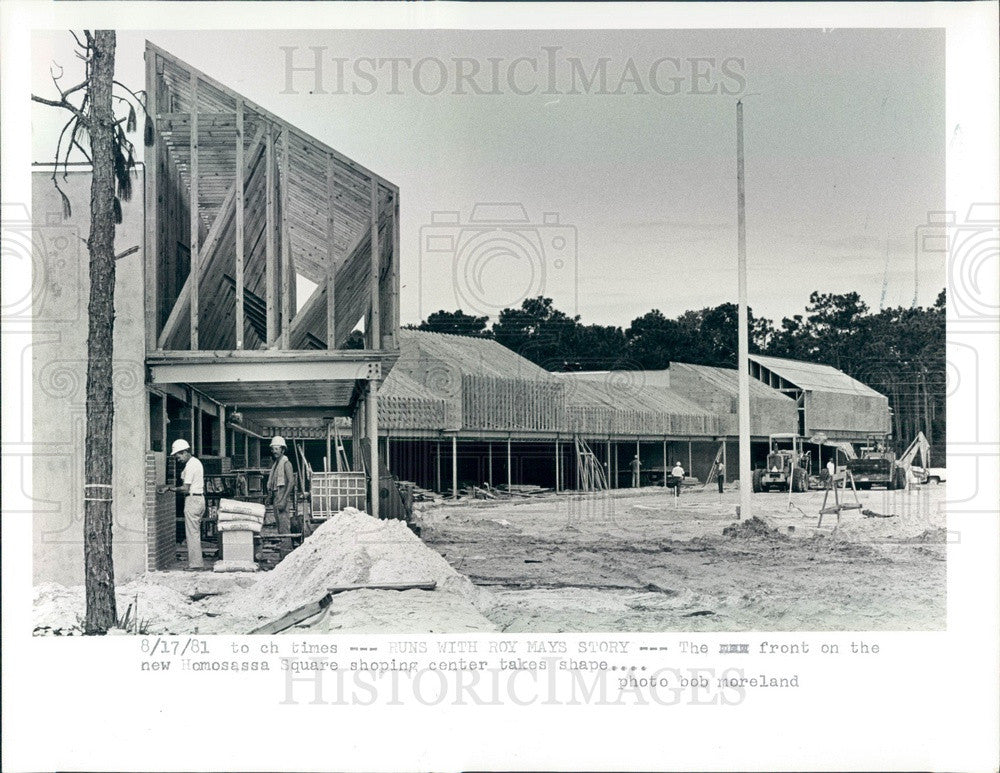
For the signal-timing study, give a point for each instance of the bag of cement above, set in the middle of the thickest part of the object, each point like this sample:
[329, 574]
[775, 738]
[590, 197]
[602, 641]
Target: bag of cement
[239, 526]
[235, 506]
[224, 515]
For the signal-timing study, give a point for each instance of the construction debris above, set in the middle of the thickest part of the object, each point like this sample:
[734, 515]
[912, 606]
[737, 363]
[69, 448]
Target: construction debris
[754, 528]
[872, 514]
[313, 608]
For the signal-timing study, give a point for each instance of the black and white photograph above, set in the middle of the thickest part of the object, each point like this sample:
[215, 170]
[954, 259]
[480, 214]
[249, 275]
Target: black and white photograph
[447, 360]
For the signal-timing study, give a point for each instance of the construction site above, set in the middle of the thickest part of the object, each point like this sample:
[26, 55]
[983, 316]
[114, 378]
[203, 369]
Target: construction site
[440, 483]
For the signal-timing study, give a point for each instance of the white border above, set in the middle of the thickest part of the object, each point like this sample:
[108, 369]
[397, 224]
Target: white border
[78, 704]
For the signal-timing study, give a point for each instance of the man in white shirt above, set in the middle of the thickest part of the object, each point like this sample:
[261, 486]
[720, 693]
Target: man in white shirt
[678, 474]
[193, 488]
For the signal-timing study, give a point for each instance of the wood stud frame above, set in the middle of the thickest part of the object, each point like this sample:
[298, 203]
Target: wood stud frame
[266, 203]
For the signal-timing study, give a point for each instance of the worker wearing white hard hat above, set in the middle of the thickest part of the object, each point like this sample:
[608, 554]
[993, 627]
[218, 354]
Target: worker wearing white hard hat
[193, 488]
[280, 483]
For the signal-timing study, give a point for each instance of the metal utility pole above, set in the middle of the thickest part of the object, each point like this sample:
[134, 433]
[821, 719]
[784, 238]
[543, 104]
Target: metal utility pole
[743, 357]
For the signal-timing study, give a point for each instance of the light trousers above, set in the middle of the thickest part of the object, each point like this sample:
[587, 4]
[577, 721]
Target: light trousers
[194, 509]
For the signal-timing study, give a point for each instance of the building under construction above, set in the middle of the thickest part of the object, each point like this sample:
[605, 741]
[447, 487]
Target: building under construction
[241, 212]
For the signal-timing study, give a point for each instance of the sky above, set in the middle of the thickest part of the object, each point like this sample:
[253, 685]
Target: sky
[619, 192]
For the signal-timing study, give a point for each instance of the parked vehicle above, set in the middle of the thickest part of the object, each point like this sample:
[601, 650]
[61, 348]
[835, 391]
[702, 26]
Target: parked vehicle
[787, 465]
[933, 474]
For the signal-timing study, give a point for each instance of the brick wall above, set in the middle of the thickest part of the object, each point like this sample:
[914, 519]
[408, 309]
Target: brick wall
[160, 530]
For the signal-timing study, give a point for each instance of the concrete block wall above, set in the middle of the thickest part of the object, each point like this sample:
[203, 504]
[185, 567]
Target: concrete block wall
[57, 348]
[160, 515]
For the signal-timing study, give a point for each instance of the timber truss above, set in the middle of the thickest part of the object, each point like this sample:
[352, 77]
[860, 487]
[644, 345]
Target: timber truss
[242, 206]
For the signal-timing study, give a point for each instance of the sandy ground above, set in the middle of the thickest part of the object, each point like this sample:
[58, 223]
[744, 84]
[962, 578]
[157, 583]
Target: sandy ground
[635, 560]
[643, 561]
[350, 549]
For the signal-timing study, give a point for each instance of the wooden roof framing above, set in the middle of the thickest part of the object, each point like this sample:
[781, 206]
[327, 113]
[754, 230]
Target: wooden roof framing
[301, 207]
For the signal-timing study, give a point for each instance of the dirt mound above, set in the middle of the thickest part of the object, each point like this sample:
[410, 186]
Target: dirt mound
[754, 528]
[350, 548]
[935, 536]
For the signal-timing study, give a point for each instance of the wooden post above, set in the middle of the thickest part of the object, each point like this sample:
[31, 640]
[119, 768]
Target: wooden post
[222, 430]
[509, 476]
[328, 461]
[638, 454]
[375, 333]
[439, 467]
[664, 462]
[557, 465]
[743, 358]
[240, 245]
[454, 467]
[151, 253]
[394, 307]
[270, 272]
[388, 455]
[331, 260]
[194, 444]
[690, 459]
[287, 274]
[195, 273]
[371, 415]
[489, 478]
[357, 422]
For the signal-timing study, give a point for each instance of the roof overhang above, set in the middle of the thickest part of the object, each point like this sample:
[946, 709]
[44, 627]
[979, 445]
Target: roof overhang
[275, 387]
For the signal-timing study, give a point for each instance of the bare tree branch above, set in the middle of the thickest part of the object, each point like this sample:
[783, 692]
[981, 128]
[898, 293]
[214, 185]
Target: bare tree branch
[140, 100]
[79, 42]
[61, 103]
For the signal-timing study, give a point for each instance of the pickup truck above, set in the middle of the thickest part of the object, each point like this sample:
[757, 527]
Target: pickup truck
[931, 474]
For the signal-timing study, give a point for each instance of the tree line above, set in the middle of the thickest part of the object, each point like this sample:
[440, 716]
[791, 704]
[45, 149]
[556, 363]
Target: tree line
[899, 351]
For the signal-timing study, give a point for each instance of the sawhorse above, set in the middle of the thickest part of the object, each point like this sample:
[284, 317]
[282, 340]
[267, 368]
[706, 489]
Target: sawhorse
[838, 506]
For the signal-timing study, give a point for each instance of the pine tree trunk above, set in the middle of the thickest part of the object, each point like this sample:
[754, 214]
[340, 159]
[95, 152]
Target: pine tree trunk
[98, 565]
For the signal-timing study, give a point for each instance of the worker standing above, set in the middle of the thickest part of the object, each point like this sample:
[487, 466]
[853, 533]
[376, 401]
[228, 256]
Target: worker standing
[678, 474]
[721, 476]
[831, 470]
[635, 464]
[280, 482]
[193, 488]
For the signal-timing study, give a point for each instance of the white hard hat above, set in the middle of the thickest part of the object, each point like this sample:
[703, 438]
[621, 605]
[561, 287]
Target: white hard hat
[179, 445]
[278, 440]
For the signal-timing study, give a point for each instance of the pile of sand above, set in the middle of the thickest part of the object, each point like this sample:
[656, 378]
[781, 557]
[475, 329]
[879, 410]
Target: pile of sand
[150, 606]
[754, 528]
[352, 548]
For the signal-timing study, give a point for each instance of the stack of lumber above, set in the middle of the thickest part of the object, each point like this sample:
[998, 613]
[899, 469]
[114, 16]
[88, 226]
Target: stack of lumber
[522, 490]
[477, 492]
[420, 494]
